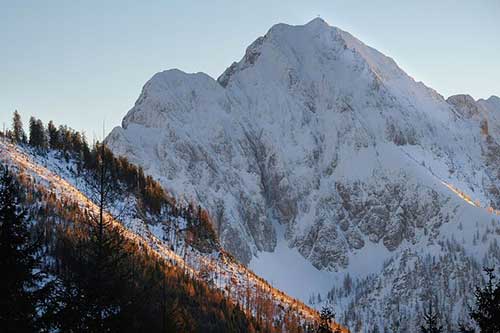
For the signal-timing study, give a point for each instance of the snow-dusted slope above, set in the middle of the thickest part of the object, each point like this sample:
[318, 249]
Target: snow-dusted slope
[318, 149]
[57, 174]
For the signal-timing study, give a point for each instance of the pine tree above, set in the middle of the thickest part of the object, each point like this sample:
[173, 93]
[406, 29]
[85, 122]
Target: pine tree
[43, 136]
[18, 135]
[431, 319]
[33, 132]
[487, 311]
[97, 279]
[53, 135]
[37, 136]
[325, 320]
[94, 283]
[19, 291]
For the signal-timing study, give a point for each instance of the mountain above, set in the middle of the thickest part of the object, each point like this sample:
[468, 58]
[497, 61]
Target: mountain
[207, 288]
[318, 157]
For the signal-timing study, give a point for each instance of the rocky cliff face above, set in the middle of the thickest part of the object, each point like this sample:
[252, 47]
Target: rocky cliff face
[319, 133]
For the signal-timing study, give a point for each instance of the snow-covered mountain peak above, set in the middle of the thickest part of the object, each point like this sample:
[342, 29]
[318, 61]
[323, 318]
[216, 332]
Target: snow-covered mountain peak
[317, 149]
[316, 56]
[317, 22]
[173, 92]
[468, 107]
[493, 102]
[315, 146]
[494, 99]
[465, 105]
[307, 111]
[303, 49]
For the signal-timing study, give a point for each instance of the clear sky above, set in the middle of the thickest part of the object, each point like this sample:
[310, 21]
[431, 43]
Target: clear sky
[84, 62]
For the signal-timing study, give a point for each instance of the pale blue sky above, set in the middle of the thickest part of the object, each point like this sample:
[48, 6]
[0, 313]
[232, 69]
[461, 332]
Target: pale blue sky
[82, 62]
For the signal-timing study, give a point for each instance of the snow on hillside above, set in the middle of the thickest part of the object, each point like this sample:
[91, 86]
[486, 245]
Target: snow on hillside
[318, 156]
[52, 171]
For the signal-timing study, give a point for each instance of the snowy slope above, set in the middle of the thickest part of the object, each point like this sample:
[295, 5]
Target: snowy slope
[317, 155]
[56, 174]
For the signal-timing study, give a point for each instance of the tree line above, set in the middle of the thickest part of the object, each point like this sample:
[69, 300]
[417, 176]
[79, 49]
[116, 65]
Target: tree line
[150, 195]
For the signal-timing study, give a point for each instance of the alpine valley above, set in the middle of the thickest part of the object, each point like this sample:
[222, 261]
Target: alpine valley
[331, 173]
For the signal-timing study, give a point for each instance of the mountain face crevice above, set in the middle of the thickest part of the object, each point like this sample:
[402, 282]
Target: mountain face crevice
[315, 132]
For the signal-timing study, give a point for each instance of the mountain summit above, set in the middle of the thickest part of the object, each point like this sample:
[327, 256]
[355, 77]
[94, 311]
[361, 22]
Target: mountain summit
[317, 145]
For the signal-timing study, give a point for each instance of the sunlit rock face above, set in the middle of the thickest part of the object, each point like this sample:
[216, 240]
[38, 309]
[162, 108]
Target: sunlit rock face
[319, 135]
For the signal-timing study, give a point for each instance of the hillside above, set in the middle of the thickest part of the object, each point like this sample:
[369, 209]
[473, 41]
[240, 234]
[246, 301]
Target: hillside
[55, 175]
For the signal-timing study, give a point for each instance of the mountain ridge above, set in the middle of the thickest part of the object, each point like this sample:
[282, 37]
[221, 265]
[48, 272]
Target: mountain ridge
[317, 145]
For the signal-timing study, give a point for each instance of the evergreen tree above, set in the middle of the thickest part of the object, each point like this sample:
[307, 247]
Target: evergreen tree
[487, 311]
[18, 135]
[431, 324]
[326, 318]
[19, 291]
[53, 135]
[64, 138]
[95, 283]
[37, 136]
[42, 134]
[33, 131]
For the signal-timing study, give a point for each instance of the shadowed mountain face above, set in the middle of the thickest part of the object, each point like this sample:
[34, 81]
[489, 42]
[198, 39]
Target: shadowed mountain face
[317, 139]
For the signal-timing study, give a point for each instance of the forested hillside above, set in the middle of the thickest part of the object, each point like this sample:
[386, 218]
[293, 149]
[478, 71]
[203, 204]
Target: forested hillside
[114, 252]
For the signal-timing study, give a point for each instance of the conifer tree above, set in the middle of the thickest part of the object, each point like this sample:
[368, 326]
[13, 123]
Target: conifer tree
[18, 135]
[53, 135]
[37, 136]
[431, 321]
[95, 285]
[326, 318]
[33, 132]
[42, 135]
[19, 291]
[487, 310]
